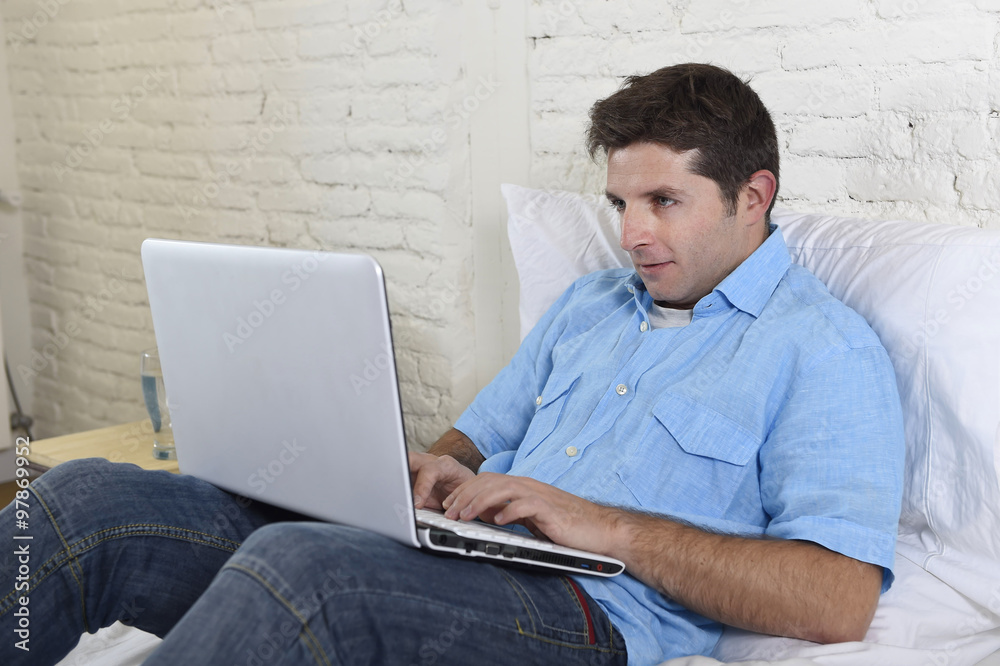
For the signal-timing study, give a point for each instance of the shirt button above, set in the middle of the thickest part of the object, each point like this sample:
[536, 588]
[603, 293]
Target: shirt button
[538, 400]
[571, 451]
[643, 327]
[631, 289]
[621, 389]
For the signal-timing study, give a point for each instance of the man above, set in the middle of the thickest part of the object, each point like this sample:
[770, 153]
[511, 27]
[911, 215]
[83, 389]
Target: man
[714, 418]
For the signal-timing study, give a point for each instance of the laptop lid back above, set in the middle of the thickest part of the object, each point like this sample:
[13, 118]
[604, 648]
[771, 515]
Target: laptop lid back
[279, 363]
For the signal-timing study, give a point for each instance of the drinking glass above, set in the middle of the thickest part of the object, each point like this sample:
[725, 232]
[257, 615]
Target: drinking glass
[155, 397]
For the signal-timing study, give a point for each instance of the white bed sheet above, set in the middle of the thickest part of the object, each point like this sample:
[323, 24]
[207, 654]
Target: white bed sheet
[919, 621]
[944, 608]
[117, 645]
[929, 292]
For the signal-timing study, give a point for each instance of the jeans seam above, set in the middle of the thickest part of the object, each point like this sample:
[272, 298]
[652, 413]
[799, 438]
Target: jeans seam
[70, 561]
[310, 639]
[534, 629]
[65, 555]
[573, 646]
[76, 543]
[579, 604]
[520, 596]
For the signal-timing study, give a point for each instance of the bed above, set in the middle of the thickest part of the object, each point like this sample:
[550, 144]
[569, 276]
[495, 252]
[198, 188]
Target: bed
[932, 293]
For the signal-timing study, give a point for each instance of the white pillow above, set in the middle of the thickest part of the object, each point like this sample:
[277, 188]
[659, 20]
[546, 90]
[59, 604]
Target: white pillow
[556, 237]
[932, 294]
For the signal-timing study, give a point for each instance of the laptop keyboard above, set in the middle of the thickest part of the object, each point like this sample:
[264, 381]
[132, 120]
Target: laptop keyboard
[479, 530]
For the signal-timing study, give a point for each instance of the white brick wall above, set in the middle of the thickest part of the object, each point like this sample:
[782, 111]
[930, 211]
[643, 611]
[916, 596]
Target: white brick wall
[339, 125]
[884, 109]
[303, 123]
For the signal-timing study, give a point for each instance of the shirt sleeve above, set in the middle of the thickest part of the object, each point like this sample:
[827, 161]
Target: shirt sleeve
[498, 418]
[832, 465]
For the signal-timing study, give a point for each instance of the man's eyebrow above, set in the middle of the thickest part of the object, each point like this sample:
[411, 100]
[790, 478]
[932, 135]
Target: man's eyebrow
[664, 191]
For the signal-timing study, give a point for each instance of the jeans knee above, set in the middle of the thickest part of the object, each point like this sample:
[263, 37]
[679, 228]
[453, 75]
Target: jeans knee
[80, 483]
[289, 546]
[312, 561]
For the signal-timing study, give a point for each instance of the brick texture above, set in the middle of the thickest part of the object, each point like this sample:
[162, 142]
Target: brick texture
[303, 123]
[884, 109]
[341, 125]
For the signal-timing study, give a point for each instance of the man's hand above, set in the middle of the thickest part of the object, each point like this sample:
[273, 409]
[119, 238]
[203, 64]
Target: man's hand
[451, 461]
[434, 478]
[786, 588]
[545, 510]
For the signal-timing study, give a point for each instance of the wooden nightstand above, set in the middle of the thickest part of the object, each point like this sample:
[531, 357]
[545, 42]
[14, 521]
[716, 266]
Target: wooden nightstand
[129, 442]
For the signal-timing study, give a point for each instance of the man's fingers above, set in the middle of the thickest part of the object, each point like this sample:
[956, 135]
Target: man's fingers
[416, 459]
[423, 486]
[522, 509]
[435, 477]
[477, 496]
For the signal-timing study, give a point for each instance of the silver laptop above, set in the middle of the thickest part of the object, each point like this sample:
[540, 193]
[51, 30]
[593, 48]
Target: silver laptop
[281, 382]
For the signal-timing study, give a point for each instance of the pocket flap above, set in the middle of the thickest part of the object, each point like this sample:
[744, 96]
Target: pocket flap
[702, 431]
[557, 385]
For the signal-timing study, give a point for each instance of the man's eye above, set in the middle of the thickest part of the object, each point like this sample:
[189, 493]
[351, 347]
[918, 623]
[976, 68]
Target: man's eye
[664, 201]
[617, 204]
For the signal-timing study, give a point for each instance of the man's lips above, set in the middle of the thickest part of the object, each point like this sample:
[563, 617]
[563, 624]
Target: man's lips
[647, 266]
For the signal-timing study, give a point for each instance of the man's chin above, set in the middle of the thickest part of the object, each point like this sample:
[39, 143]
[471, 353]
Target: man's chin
[669, 300]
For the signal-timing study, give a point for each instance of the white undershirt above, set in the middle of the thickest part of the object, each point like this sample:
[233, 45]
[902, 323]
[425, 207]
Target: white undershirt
[661, 317]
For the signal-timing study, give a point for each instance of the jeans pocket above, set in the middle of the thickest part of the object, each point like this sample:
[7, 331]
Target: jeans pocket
[560, 612]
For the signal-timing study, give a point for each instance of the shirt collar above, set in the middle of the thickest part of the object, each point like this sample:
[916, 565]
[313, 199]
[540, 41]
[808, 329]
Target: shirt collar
[751, 284]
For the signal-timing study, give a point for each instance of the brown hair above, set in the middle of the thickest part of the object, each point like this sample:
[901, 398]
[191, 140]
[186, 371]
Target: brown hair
[692, 107]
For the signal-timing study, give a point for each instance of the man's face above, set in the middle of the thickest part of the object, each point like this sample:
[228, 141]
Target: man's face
[675, 225]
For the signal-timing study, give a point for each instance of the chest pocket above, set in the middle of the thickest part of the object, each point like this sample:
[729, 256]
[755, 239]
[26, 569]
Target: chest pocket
[549, 410]
[690, 459]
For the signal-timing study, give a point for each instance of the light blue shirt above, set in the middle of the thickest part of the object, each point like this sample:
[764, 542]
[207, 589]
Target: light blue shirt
[774, 412]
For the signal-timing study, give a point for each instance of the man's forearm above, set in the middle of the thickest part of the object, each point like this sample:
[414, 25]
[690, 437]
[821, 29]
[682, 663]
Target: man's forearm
[454, 443]
[786, 588]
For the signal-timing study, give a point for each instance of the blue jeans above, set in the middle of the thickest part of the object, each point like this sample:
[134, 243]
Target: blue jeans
[228, 581]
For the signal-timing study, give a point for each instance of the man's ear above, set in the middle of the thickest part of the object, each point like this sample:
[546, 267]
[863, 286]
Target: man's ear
[757, 195]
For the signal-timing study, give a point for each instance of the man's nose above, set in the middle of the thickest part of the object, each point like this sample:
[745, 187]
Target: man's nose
[635, 230]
